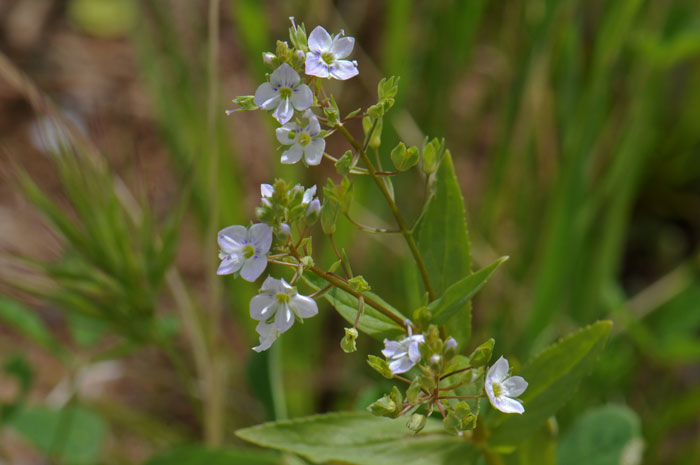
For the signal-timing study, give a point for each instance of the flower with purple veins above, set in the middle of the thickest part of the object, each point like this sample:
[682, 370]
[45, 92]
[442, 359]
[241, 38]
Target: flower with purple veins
[276, 307]
[325, 58]
[244, 251]
[283, 94]
[304, 141]
[403, 354]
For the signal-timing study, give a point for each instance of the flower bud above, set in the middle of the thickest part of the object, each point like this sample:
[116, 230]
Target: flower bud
[417, 422]
[313, 212]
[284, 232]
[383, 407]
[482, 354]
[269, 59]
[348, 343]
[436, 362]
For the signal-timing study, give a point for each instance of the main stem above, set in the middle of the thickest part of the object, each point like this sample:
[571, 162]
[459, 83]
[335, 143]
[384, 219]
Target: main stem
[394, 210]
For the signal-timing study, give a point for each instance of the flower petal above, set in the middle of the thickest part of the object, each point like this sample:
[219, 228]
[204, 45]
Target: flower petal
[284, 319]
[498, 372]
[292, 154]
[392, 349]
[284, 136]
[266, 97]
[253, 268]
[342, 47]
[514, 386]
[271, 285]
[260, 235]
[266, 190]
[268, 334]
[229, 265]
[315, 66]
[309, 195]
[285, 76]
[304, 307]
[313, 153]
[314, 127]
[343, 69]
[231, 238]
[401, 365]
[302, 97]
[507, 405]
[414, 352]
[320, 40]
[261, 307]
[284, 111]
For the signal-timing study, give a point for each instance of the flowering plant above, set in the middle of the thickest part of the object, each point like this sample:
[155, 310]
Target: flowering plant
[468, 405]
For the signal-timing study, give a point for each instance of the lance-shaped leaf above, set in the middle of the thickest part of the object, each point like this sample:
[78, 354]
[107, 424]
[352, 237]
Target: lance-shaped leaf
[458, 295]
[443, 242]
[200, 455]
[553, 377]
[362, 439]
[371, 322]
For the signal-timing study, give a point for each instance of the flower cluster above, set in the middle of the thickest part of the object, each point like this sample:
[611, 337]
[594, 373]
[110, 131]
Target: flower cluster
[441, 379]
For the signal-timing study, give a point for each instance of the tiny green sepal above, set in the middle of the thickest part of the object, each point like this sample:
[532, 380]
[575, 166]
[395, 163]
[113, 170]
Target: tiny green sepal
[380, 366]
[245, 102]
[344, 163]
[359, 284]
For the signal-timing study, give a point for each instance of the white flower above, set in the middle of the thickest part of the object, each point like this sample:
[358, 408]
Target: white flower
[276, 307]
[283, 94]
[501, 388]
[404, 354]
[306, 141]
[325, 56]
[244, 251]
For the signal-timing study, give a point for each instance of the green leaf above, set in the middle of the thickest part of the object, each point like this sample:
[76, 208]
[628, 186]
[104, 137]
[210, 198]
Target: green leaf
[28, 324]
[553, 377]
[458, 295]
[74, 434]
[601, 437]
[539, 449]
[443, 242]
[200, 455]
[371, 321]
[361, 439]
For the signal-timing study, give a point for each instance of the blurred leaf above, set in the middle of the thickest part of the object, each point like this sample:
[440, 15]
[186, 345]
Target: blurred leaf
[18, 367]
[28, 324]
[103, 18]
[443, 242]
[601, 436]
[538, 449]
[553, 377]
[371, 322]
[362, 439]
[73, 434]
[200, 455]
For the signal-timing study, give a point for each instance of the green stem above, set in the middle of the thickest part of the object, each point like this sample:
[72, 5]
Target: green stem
[395, 211]
[274, 365]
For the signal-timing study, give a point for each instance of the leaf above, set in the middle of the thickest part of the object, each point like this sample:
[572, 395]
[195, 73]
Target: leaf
[362, 439]
[460, 293]
[371, 322]
[200, 455]
[553, 377]
[27, 323]
[74, 433]
[443, 242]
[601, 437]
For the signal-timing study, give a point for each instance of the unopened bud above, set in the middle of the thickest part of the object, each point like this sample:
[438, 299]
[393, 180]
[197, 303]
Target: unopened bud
[269, 58]
[313, 212]
[349, 342]
[417, 422]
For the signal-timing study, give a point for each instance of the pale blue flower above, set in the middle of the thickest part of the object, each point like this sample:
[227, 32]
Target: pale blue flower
[276, 307]
[501, 388]
[283, 94]
[403, 354]
[244, 251]
[325, 58]
[304, 141]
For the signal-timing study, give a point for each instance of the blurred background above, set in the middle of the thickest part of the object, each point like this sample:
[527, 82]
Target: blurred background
[575, 130]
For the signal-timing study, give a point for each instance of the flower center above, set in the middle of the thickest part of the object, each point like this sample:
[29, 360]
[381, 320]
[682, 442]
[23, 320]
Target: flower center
[248, 251]
[328, 58]
[304, 139]
[283, 298]
[285, 92]
[497, 390]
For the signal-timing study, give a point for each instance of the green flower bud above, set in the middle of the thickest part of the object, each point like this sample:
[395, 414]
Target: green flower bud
[430, 157]
[383, 407]
[359, 284]
[413, 391]
[348, 343]
[367, 124]
[417, 422]
[245, 102]
[482, 354]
